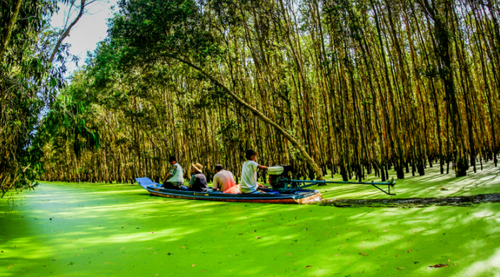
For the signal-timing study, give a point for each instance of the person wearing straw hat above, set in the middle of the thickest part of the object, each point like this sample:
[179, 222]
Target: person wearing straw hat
[198, 180]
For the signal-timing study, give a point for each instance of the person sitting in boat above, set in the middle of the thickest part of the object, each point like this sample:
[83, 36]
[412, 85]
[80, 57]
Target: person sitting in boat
[223, 179]
[198, 180]
[175, 178]
[249, 173]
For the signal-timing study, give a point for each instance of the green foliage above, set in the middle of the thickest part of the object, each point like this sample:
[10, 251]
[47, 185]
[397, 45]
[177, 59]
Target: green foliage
[148, 31]
[68, 118]
[27, 83]
[362, 84]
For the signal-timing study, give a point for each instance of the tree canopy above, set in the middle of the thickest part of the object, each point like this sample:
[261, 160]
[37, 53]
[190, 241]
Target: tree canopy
[32, 67]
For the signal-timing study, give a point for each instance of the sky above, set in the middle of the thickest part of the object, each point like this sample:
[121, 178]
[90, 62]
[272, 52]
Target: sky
[89, 30]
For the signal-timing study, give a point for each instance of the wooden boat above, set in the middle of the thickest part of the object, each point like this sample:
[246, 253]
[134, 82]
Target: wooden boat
[300, 196]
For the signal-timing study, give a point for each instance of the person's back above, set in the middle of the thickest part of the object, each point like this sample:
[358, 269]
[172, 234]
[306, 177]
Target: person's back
[198, 180]
[248, 182]
[249, 173]
[200, 184]
[177, 174]
[175, 177]
[223, 180]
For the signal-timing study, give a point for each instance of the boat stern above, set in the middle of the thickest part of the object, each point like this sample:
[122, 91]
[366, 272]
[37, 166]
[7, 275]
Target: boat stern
[309, 198]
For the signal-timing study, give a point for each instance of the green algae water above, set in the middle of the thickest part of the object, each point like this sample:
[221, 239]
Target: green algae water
[66, 229]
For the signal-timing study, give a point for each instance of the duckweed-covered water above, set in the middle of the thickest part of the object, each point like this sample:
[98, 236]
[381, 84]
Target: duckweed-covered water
[65, 229]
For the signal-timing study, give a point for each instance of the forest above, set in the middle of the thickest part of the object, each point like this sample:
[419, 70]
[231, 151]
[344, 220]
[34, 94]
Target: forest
[349, 87]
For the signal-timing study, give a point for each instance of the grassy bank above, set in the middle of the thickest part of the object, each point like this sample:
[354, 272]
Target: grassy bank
[482, 182]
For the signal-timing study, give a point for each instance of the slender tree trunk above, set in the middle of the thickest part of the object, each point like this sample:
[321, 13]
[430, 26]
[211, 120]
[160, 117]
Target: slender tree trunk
[10, 27]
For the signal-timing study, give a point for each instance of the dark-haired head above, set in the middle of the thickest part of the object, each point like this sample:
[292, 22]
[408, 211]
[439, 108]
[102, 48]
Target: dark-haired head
[249, 154]
[218, 167]
[171, 159]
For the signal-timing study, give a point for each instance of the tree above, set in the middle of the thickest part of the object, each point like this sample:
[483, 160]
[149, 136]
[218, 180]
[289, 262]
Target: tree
[175, 29]
[364, 86]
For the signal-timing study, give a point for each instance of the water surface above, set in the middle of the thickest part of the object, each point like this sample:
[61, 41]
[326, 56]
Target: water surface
[65, 229]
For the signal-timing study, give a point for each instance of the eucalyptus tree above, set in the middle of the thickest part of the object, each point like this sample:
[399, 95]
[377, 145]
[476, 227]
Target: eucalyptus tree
[180, 30]
[65, 31]
[441, 15]
[22, 74]
[28, 82]
[364, 86]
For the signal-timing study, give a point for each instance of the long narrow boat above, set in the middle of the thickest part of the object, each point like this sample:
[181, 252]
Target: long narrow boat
[300, 196]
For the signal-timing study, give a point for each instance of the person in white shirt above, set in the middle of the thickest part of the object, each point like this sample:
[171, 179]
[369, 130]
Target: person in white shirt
[249, 173]
[175, 177]
[223, 179]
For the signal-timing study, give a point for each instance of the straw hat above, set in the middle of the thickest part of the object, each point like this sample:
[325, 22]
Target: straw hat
[197, 166]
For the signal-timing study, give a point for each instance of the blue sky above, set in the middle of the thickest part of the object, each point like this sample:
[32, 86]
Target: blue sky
[89, 30]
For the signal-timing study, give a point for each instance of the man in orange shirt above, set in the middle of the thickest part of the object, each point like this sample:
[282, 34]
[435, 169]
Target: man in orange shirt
[223, 179]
